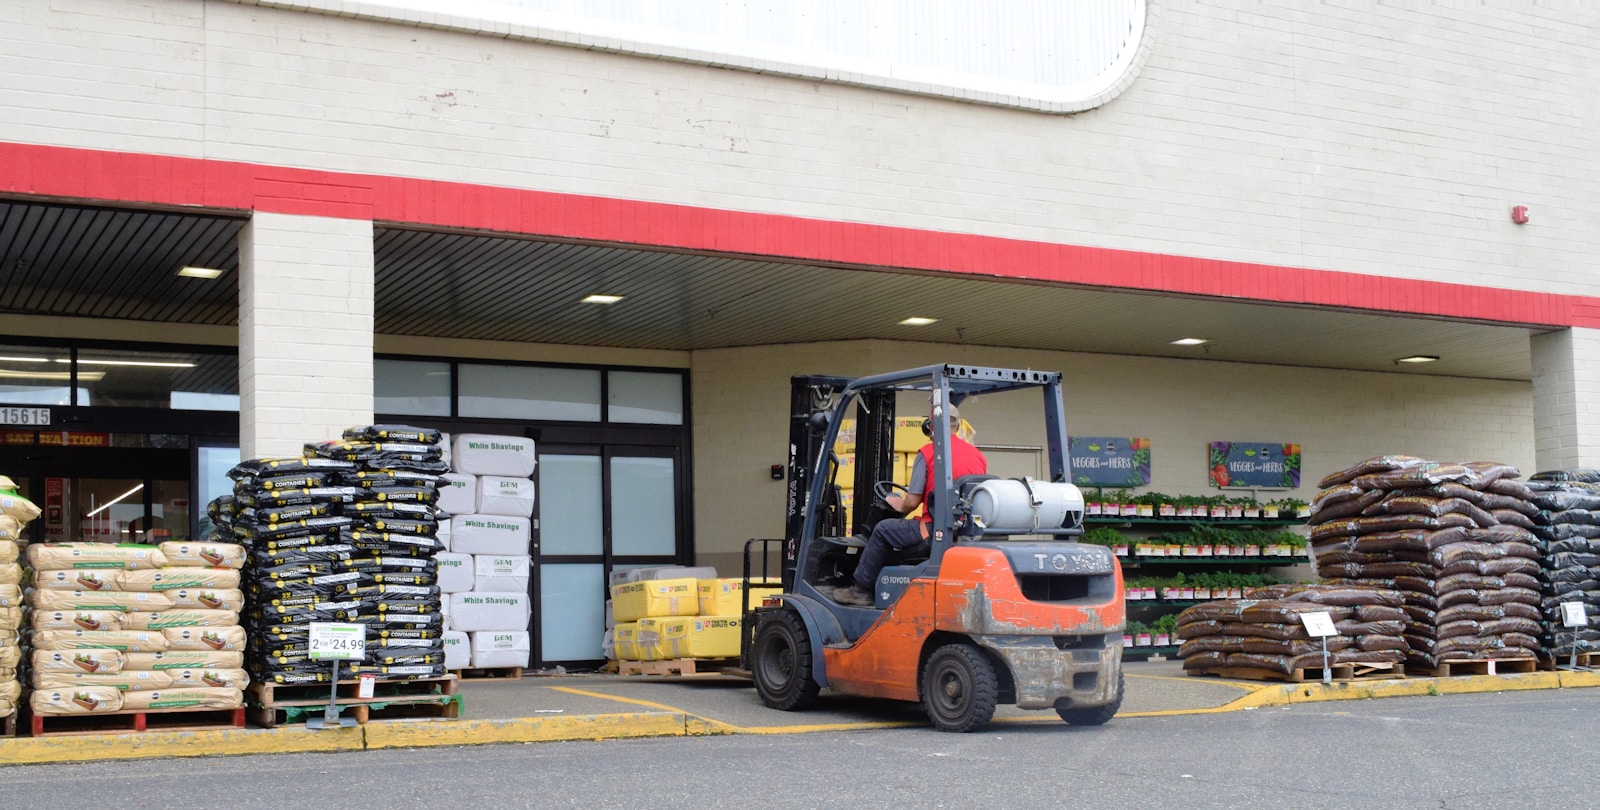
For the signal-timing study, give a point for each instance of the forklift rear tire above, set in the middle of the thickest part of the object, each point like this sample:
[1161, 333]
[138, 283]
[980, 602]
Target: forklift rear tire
[1097, 716]
[782, 663]
[959, 688]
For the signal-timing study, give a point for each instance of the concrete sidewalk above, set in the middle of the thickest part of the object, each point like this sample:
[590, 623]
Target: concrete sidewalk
[541, 708]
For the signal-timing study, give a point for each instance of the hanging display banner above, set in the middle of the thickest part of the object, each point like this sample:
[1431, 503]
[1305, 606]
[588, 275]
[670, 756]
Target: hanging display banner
[1264, 465]
[1109, 461]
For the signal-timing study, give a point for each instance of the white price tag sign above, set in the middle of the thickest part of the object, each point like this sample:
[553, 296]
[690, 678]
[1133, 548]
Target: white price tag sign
[345, 642]
[1319, 625]
[1574, 614]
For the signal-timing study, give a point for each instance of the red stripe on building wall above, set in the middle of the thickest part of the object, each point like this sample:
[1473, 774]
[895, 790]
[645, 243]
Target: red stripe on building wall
[120, 177]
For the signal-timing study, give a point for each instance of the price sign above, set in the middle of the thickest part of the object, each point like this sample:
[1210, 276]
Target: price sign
[338, 642]
[1574, 614]
[1319, 625]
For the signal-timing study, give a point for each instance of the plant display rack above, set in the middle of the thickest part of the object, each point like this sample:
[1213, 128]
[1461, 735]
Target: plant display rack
[1178, 551]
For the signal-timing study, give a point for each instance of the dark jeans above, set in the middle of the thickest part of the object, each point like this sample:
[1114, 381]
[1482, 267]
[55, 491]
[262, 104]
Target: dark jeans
[892, 538]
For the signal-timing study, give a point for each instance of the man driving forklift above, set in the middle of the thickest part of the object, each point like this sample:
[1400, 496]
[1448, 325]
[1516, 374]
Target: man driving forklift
[908, 537]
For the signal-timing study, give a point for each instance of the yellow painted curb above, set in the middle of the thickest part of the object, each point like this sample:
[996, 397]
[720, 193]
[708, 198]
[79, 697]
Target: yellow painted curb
[210, 742]
[424, 733]
[1574, 679]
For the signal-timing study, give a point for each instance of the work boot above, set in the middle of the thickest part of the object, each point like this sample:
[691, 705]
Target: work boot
[852, 595]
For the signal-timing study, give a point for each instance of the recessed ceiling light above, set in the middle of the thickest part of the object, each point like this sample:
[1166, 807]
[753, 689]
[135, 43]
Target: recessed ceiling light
[1417, 358]
[200, 272]
[918, 321]
[147, 363]
[601, 299]
[1190, 341]
[25, 359]
[62, 376]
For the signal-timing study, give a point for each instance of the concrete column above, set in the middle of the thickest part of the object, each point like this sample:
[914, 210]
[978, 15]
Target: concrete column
[1566, 399]
[305, 331]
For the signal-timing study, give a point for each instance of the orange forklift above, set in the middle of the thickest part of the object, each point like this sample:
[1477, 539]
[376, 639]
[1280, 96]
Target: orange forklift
[1007, 608]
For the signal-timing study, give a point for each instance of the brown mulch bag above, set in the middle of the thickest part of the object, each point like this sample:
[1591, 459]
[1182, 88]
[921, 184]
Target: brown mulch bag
[1271, 646]
[1265, 630]
[1285, 664]
[1493, 502]
[1502, 596]
[1512, 517]
[1484, 473]
[1394, 656]
[1379, 613]
[1492, 568]
[1450, 489]
[1326, 594]
[1456, 582]
[1222, 610]
[1511, 624]
[1375, 643]
[1420, 615]
[1199, 629]
[1507, 486]
[1353, 629]
[1415, 539]
[1330, 558]
[1415, 477]
[1346, 509]
[1202, 661]
[1486, 613]
[1376, 464]
[1503, 534]
[1273, 613]
[1469, 550]
[1334, 495]
[1521, 581]
[1218, 644]
[1405, 504]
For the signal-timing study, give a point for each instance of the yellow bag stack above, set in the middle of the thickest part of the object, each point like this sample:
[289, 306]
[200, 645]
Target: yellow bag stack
[698, 636]
[126, 627]
[655, 598]
[725, 597]
[15, 513]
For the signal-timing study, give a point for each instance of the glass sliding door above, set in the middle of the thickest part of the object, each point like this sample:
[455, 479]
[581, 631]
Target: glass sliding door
[600, 509]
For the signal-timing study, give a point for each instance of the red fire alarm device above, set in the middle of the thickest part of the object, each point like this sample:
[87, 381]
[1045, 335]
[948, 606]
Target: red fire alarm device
[1519, 214]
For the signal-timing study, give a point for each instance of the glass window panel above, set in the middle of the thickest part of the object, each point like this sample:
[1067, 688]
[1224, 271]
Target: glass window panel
[522, 392]
[214, 482]
[30, 375]
[139, 379]
[169, 514]
[641, 396]
[572, 611]
[410, 387]
[569, 505]
[644, 516]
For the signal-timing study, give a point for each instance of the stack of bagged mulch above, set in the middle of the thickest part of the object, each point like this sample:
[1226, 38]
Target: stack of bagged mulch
[1455, 540]
[1569, 523]
[1264, 632]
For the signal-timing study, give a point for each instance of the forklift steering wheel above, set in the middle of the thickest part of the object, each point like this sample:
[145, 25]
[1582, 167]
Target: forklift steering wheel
[883, 489]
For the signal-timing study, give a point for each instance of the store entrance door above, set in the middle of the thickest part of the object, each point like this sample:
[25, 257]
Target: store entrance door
[104, 494]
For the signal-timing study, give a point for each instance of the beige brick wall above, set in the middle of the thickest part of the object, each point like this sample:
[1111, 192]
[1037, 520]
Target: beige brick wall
[1298, 134]
[305, 331]
[741, 407]
[1566, 384]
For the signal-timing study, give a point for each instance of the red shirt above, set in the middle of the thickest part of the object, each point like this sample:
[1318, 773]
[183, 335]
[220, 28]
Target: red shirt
[964, 460]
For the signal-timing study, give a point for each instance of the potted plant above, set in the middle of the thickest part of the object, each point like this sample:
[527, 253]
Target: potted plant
[1252, 509]
[1165, 630]
[1091, 503]
[1292, 508]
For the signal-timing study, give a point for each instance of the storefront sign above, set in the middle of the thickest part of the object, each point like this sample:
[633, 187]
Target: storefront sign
[1109, 461]
[1265, 465]
[24, 416]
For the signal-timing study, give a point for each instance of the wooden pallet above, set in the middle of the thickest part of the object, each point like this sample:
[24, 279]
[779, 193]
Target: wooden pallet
[489, 674]
[1339, 672]
[442, 707]
[272, 705]
[55, 725]
[677, 666]
[1588, 660]
[1488, 666]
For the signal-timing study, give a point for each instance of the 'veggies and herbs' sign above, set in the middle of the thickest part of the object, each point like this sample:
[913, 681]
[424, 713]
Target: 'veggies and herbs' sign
[1267, 465]
[1109, 461]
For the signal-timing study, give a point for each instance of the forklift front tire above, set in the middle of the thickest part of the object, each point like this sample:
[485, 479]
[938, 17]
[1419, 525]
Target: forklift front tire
[959, 688]
[782, 663]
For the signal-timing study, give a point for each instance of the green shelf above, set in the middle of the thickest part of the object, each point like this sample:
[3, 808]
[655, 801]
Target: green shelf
[1137, 560]
[1178, 521]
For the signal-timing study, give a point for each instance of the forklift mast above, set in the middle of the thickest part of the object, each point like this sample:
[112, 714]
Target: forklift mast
[812, 402]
